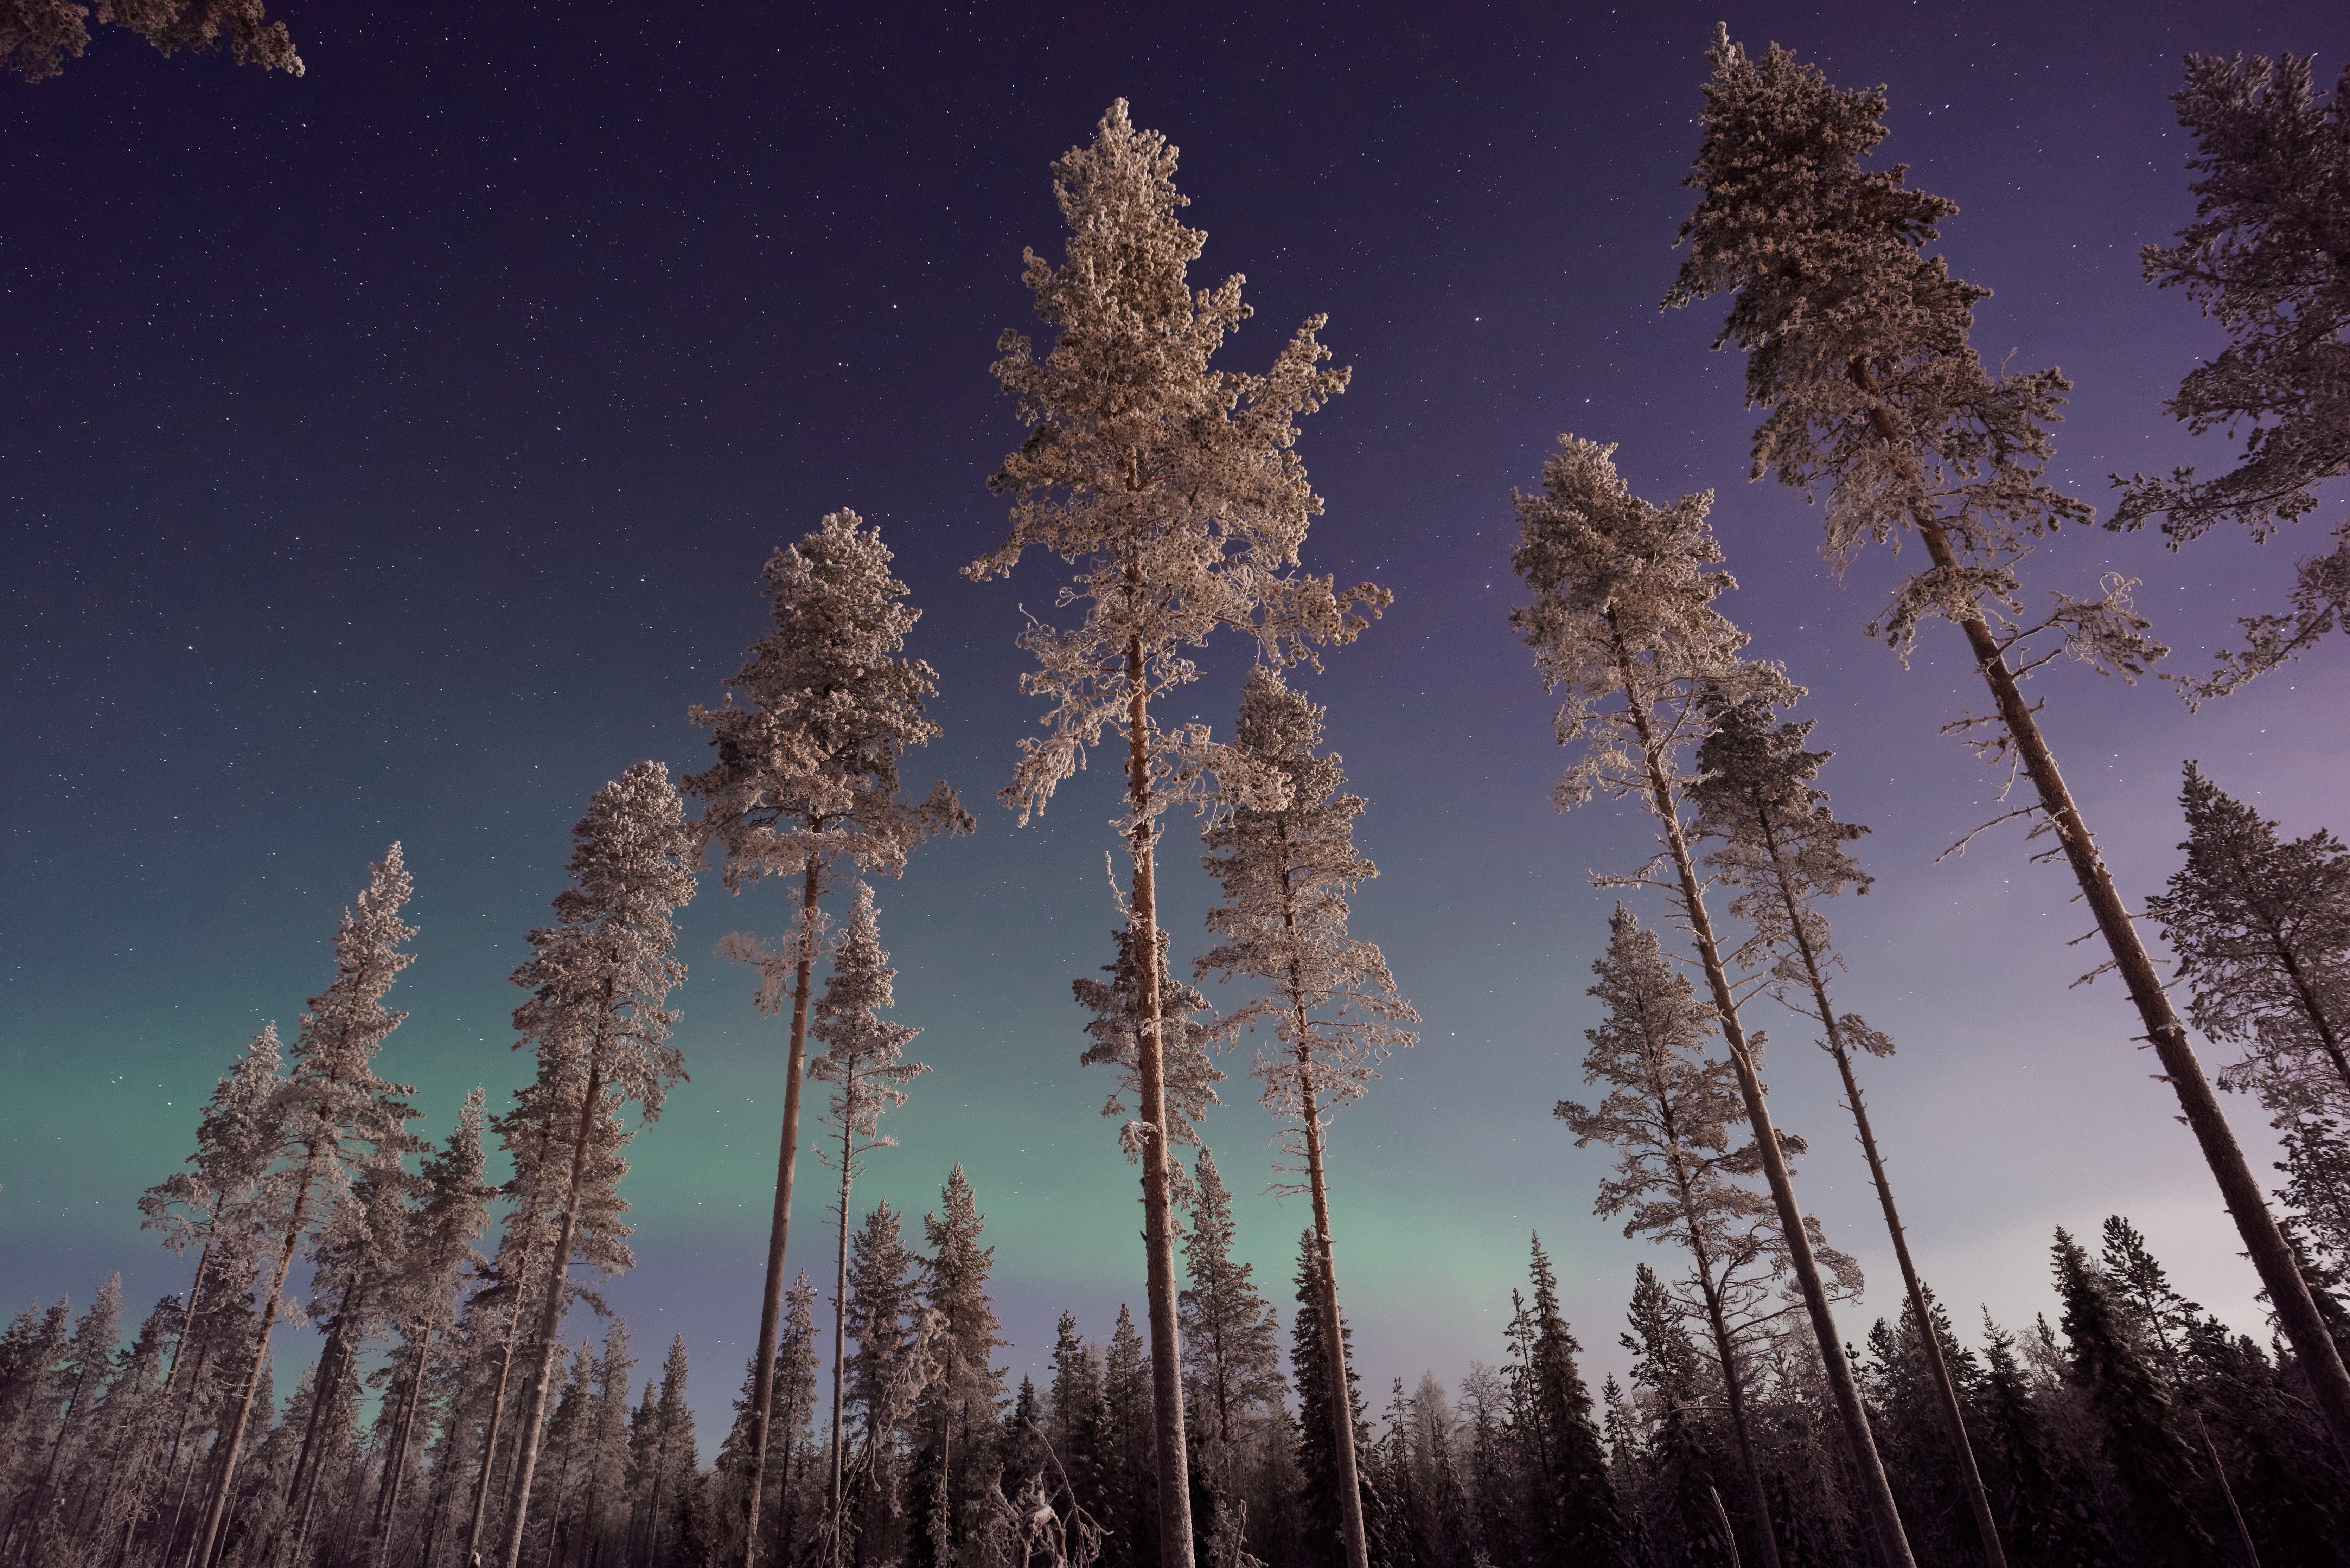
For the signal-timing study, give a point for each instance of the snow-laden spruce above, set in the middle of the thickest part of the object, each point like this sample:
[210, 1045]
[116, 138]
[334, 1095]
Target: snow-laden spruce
[332, 1114]
[2269, 258]
[806, 783]
[1284, 853]
[1782, 851]
[1624, 630]
[1857, 344]
[598, 980]
[1176, 490]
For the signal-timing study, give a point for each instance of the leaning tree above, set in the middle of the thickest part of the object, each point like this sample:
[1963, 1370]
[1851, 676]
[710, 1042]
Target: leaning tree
[1857, 344]
[597, 978]
[1624, 628]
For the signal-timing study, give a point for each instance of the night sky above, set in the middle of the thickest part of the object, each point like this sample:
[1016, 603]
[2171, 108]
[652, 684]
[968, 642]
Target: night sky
[390, 455]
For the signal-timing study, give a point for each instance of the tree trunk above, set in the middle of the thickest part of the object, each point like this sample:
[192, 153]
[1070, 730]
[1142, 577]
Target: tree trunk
[550, 1319]
[1733, 1390]
[1333, 1338]
[1158, 1217]
[396, 1472]
[839, 1338]
[208, 1533]
[771, 1306]
[1878, 1492]
[2288, 1291]
[330, 1374]
[1970, 1475]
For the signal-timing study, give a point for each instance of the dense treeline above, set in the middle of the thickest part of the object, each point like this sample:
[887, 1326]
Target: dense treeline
[449, 1422]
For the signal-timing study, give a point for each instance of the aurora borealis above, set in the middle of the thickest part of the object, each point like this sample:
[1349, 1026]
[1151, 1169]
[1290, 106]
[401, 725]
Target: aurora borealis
[389, 454]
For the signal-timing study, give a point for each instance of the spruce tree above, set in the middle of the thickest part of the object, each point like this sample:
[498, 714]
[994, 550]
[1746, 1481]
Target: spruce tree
[2133, 1414]
[1857, 344]
[1623, 626]
[1230, 1352]
[1285, 856]
[2259, 929]
[956, 1419]
[1177, 490]
[1668, 1364]
[864, 1059]
[1578, 1506]
[597, 980]
[331, 1113]
[1320, 1376]
[1781, 849]
[805, 784]
[2265, 256]
[2046, 1507]
[1128, 1491]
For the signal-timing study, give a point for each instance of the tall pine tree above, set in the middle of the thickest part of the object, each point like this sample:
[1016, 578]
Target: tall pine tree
[1177, 489]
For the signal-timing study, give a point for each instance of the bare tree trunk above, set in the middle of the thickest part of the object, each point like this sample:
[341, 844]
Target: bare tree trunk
[1883, 1513]
[550, 1319]
[1333, 1338]
[1732, 1389]
[1970, 1475]
[330, 1374]
[208, 1533]
[1158, 1213]
[839, 1336]
[396, 1469]
[779, 1228]
[2288, 1291]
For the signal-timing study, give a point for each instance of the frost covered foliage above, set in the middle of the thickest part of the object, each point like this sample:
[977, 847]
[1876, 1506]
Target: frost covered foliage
[864, 1057]
[35, 36]
[1287, 871]
[1189, 1034]
[2259, 929]
[807, 768]
[1857, 343]
[2269, 258]
[599, 975]
[1667, 1114]
[1175, 487]
[598, 980]
[1622, 623]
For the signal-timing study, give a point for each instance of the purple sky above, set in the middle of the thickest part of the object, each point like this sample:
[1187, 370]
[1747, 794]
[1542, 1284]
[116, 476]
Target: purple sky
[390, 455]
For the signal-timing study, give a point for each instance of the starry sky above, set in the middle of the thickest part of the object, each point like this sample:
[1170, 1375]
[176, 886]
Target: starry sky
[390, 455]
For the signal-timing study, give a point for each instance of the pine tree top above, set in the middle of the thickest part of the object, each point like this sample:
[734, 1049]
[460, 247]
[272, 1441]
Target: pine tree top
[1175, 487]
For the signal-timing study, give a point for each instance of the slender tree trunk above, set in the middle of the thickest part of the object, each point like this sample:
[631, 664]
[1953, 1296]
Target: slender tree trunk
[1333, 1338]
[771, 1304]
[208, 1533]
[330, 1374]
[840, 1334]
[56, 1448]
[1884, 1515]
[396, 1472]
[1721, 1516]
[2288, 1291]
[550, 1319]
[1970, 1475]
[505, 1368]
[1732, 1389]
[1158, 1216]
